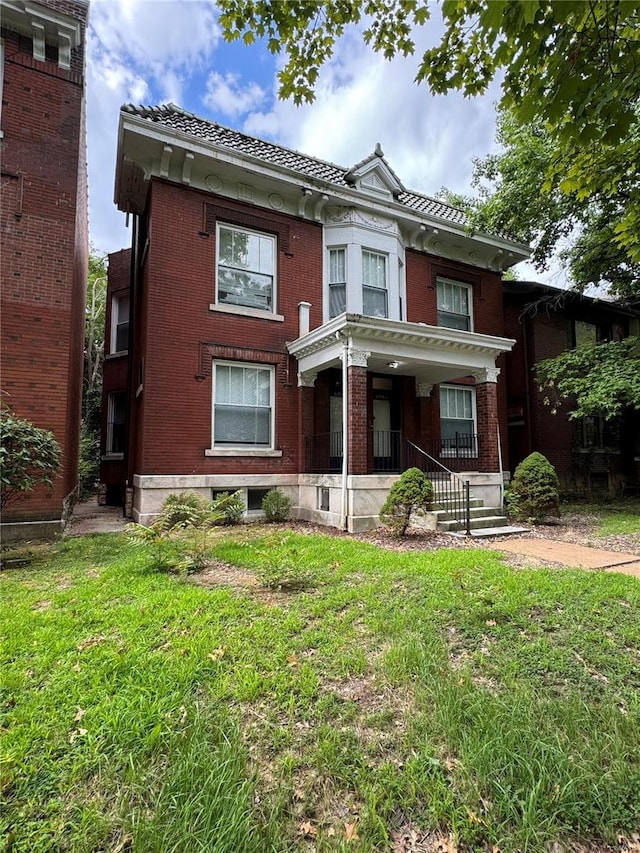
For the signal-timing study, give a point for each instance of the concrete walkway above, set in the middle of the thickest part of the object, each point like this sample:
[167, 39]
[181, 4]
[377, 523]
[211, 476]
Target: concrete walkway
[90, 518]
[573, 556]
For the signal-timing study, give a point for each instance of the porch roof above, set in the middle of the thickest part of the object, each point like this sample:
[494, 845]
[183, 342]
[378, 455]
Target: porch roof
[432, 354]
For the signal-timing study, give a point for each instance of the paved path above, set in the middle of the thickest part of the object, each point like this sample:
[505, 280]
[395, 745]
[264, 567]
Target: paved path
[575, 556]
[91, 518]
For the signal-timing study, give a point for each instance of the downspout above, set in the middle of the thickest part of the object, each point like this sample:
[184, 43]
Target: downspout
[500, 468]
[345, 430]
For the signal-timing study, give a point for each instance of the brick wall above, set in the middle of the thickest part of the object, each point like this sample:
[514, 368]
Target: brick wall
[357, 420]
[181, 335]
[44, 252]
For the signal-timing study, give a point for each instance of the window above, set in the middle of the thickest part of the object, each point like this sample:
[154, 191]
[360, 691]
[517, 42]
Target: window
[337, 282]
[374, 284]
[255, 498]
[116, 409]
[120, 323]
[243, 406]
[457, 420]
[454, 304]
[246, 268]
[323, 499]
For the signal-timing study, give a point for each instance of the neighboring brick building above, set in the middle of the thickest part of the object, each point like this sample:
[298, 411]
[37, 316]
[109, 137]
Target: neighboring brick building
[590, 454]
[264, 285]
[43, 245]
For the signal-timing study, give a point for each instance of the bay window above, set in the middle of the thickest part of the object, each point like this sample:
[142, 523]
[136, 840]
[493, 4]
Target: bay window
[374, 284]
[337, 282]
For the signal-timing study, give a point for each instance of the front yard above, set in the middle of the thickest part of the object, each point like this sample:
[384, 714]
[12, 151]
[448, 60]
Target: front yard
[400, 701]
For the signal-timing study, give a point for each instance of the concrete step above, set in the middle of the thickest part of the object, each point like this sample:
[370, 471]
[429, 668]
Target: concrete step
[474, 511]
[476, 523]
[486, 532]
[459, 501]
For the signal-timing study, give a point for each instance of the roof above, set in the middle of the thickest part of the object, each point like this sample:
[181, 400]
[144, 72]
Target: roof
[174, 117]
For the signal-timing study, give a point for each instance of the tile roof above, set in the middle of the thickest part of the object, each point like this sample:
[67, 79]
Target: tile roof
[178, 119]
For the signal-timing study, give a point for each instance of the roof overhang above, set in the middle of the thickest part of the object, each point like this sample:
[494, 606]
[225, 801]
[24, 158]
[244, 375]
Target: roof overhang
[44, 26]
[431, 354]
[148, 149]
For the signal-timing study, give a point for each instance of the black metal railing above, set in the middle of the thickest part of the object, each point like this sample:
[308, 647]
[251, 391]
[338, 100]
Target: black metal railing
[451, 492]
[387, 449]
[459, 453]
[323, 451]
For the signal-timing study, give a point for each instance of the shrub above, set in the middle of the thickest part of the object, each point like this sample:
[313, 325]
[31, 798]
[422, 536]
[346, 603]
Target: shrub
[284, 568]
[29, 457]
[534, 491]
[276, 505]
[227, 508]
[186, 509]
[412, 493]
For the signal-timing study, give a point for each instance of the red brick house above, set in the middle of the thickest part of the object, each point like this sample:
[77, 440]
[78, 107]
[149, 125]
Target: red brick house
[43, 242]
[591, 455]
[293, 323]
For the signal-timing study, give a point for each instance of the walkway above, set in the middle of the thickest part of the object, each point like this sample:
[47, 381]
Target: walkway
[90, 518]
[574, 556]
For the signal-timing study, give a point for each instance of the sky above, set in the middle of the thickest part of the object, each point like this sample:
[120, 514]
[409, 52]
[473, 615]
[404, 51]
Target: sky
[159, 51]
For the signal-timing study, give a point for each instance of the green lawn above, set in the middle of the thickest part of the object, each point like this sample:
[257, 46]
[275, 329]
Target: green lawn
[609, 518]
[437, 692]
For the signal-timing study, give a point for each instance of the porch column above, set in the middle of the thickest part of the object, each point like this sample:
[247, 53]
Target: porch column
[306, 393]
[487, 411]
[357, 414]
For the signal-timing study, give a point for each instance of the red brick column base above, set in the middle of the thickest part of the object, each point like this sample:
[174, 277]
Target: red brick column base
[357, 420]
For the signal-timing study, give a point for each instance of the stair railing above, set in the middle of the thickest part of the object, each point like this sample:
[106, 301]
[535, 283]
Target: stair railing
[449, 487]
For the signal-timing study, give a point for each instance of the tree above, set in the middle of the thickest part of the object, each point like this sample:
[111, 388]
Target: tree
[520, 192]
[92, 374]
[571, 68]
[598, 379]
[29, 457]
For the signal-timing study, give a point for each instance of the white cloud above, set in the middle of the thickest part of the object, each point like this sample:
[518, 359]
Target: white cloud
[362, 99]
[227, 94]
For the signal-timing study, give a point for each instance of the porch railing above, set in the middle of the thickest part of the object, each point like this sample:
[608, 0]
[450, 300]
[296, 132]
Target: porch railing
[323, 451]
[459, 453]
[451, 491]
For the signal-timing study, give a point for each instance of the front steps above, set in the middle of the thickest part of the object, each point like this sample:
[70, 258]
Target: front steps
[485, 521]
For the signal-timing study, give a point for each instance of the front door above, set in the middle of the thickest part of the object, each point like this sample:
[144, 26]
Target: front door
[382, 433]
[384, 423]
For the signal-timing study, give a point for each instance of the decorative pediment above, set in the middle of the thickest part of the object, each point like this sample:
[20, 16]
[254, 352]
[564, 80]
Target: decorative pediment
[375, 176]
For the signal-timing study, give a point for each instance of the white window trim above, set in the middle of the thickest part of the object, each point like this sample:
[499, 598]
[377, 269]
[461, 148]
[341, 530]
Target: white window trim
[474, 416]
[372, 287]
[243, 449]
[115, 310]
[468, 287]
[247, 310]
[337, 248]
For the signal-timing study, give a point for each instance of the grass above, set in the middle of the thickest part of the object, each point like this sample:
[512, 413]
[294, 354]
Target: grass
[439, 692]
[611, 518]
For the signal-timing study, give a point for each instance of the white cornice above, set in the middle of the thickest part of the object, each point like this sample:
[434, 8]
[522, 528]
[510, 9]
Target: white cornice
[143, 141]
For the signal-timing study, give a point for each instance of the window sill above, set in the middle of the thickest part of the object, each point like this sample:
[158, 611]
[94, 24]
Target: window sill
[119, 354]
[243, 311]
[112, 457]
[240, 451]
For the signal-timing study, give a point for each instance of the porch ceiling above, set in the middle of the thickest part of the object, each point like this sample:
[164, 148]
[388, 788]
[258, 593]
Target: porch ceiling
[432, 354]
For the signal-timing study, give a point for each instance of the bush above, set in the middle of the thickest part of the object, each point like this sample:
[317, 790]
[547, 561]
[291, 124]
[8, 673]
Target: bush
[412, 493]
[276, 505]
[227, 508]
[534, 491]
[29, 457]
[186, 509]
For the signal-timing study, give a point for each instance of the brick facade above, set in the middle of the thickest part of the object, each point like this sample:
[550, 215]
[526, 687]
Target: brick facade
[44, 247]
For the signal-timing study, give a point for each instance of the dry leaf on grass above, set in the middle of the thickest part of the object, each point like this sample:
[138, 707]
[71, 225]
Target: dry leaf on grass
[307, 829]
[351, 831]
[79, 715]
[217, 654]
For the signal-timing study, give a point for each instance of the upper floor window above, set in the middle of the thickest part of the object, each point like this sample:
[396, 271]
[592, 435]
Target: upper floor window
[242, 406]
[246, 268]
[588, 334]
[454, 304]
[120, 323]
[374, 284]
[337, 282]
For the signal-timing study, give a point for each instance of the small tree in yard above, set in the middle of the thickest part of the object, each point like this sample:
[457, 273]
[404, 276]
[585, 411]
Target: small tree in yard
[534, 493]
[29, 457]
[412, 493]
